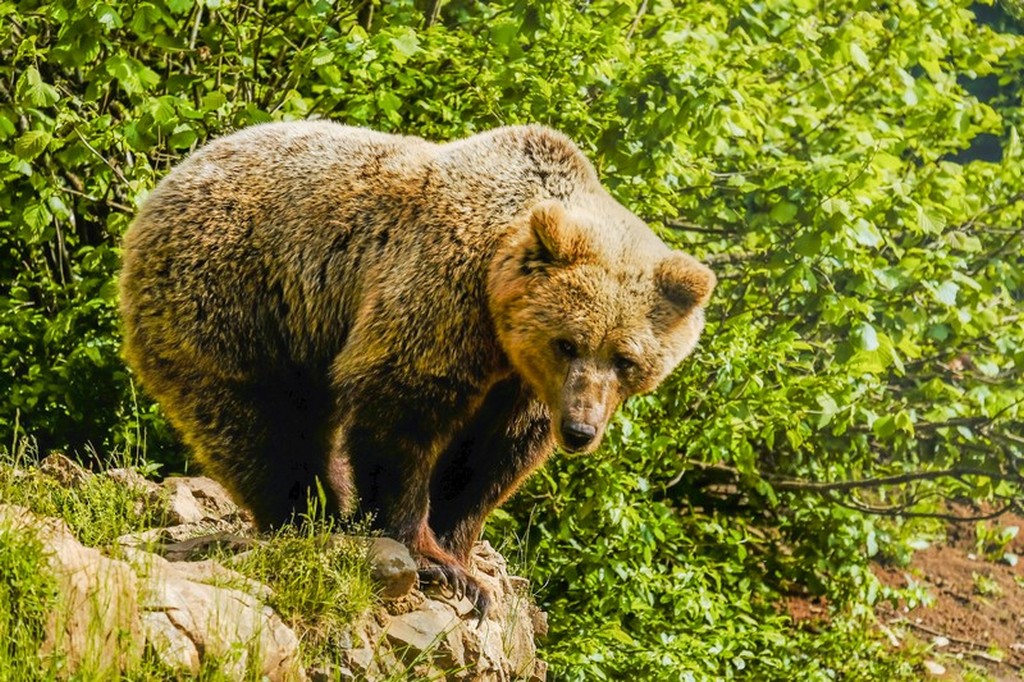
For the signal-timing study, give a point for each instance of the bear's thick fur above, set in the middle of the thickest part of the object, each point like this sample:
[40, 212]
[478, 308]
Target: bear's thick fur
[413, 325]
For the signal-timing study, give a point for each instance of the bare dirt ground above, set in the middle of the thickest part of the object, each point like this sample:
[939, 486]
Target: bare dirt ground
[975, 619]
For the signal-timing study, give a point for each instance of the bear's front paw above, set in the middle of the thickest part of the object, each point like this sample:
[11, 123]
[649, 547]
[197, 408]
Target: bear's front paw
[459, 582]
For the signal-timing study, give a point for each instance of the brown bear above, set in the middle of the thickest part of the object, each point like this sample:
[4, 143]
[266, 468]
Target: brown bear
[414, 326]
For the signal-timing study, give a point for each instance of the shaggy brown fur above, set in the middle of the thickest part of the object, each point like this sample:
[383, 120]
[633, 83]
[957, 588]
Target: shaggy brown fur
[419, 322]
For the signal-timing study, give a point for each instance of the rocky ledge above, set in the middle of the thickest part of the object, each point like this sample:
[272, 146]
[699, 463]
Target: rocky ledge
[146, 594]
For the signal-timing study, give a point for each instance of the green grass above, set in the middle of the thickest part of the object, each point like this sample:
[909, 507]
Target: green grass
[320, 580]
[97, 511]
[28, 592]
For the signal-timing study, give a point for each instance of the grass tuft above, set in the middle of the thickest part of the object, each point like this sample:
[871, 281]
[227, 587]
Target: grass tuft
[319, 578]
[28, 593]
[98, 510]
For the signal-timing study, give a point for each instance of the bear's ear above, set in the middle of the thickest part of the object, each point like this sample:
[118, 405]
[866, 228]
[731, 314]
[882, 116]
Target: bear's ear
[556, 241]
[684, 281]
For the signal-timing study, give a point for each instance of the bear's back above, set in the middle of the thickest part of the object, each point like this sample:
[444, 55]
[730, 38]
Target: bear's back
[260, 248]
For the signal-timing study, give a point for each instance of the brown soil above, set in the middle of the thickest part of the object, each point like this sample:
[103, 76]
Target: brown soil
[976, 616]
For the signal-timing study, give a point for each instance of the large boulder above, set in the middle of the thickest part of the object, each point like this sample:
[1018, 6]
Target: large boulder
[193, 611]
[96, 626]
[188, 614]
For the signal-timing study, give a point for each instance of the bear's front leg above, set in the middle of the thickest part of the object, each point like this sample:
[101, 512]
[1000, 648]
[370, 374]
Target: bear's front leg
[487, 460]
[391, 432]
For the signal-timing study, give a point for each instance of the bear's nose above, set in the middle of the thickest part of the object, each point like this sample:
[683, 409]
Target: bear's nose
[577, 435]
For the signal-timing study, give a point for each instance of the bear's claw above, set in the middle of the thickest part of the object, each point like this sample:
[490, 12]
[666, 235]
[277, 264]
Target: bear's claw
[459, 583]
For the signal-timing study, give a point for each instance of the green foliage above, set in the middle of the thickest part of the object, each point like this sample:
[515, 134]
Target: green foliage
[867, 322]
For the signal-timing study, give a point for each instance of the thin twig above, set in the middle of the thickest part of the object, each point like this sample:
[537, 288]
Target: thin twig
[905, 511]
[636, 20]
[731, 258]
[109, 202]
[686, 226]
[117, 173]
[195, 26]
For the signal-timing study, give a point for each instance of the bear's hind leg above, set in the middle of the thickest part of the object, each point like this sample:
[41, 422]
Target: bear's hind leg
[266, 441]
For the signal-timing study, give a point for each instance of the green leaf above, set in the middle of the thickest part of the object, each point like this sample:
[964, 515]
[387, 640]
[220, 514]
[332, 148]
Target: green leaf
[884, 427]
[212, 101]
[867, 336]
[808, 244]
[31, 144]
[180, 6]
[107, 16]
[858, 57]
[407, 44]
[929, 222]
[31, 88]
[183, 137]
[783, 212]
[37, 216]
[829, 408]
[865, 233]
[946, 293]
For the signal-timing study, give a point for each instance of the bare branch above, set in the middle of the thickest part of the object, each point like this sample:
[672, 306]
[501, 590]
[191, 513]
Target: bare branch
[116, 171]
[731, 258]
[801, 485]
[636, 20]
[905, 511]
[686, 226]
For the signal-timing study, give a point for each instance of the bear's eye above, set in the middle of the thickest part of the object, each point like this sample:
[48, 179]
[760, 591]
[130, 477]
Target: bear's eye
[623, 364]
[567, 348]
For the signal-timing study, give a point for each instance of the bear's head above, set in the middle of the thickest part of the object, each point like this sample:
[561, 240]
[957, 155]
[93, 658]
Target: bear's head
[590, 308]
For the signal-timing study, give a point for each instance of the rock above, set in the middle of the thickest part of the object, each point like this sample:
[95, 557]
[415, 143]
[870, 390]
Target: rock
[199, 615]
[150, 495]
[186, 621]
[195, 547]
[136, 481]
[539, 621]
[157, 539]
[97, 626]
[430, 628]
[63, 470]
[189, 614]
[393, 567]
[195, 498]
[934, 668]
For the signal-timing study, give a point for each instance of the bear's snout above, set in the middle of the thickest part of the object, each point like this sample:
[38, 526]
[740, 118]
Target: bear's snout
[576, 435]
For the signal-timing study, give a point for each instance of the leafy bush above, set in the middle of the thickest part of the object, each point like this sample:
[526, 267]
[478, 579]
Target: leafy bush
[867, 324]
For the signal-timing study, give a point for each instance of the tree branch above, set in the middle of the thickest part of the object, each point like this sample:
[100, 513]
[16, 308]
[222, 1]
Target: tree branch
[903, 510]
[802, 485]
[686, 226]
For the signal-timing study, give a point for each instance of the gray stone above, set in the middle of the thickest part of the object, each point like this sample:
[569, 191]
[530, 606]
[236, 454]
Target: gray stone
[191, 499]
[63, 470]
[187, 620]
[423, 629]
[156, 538]
[393, 567]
